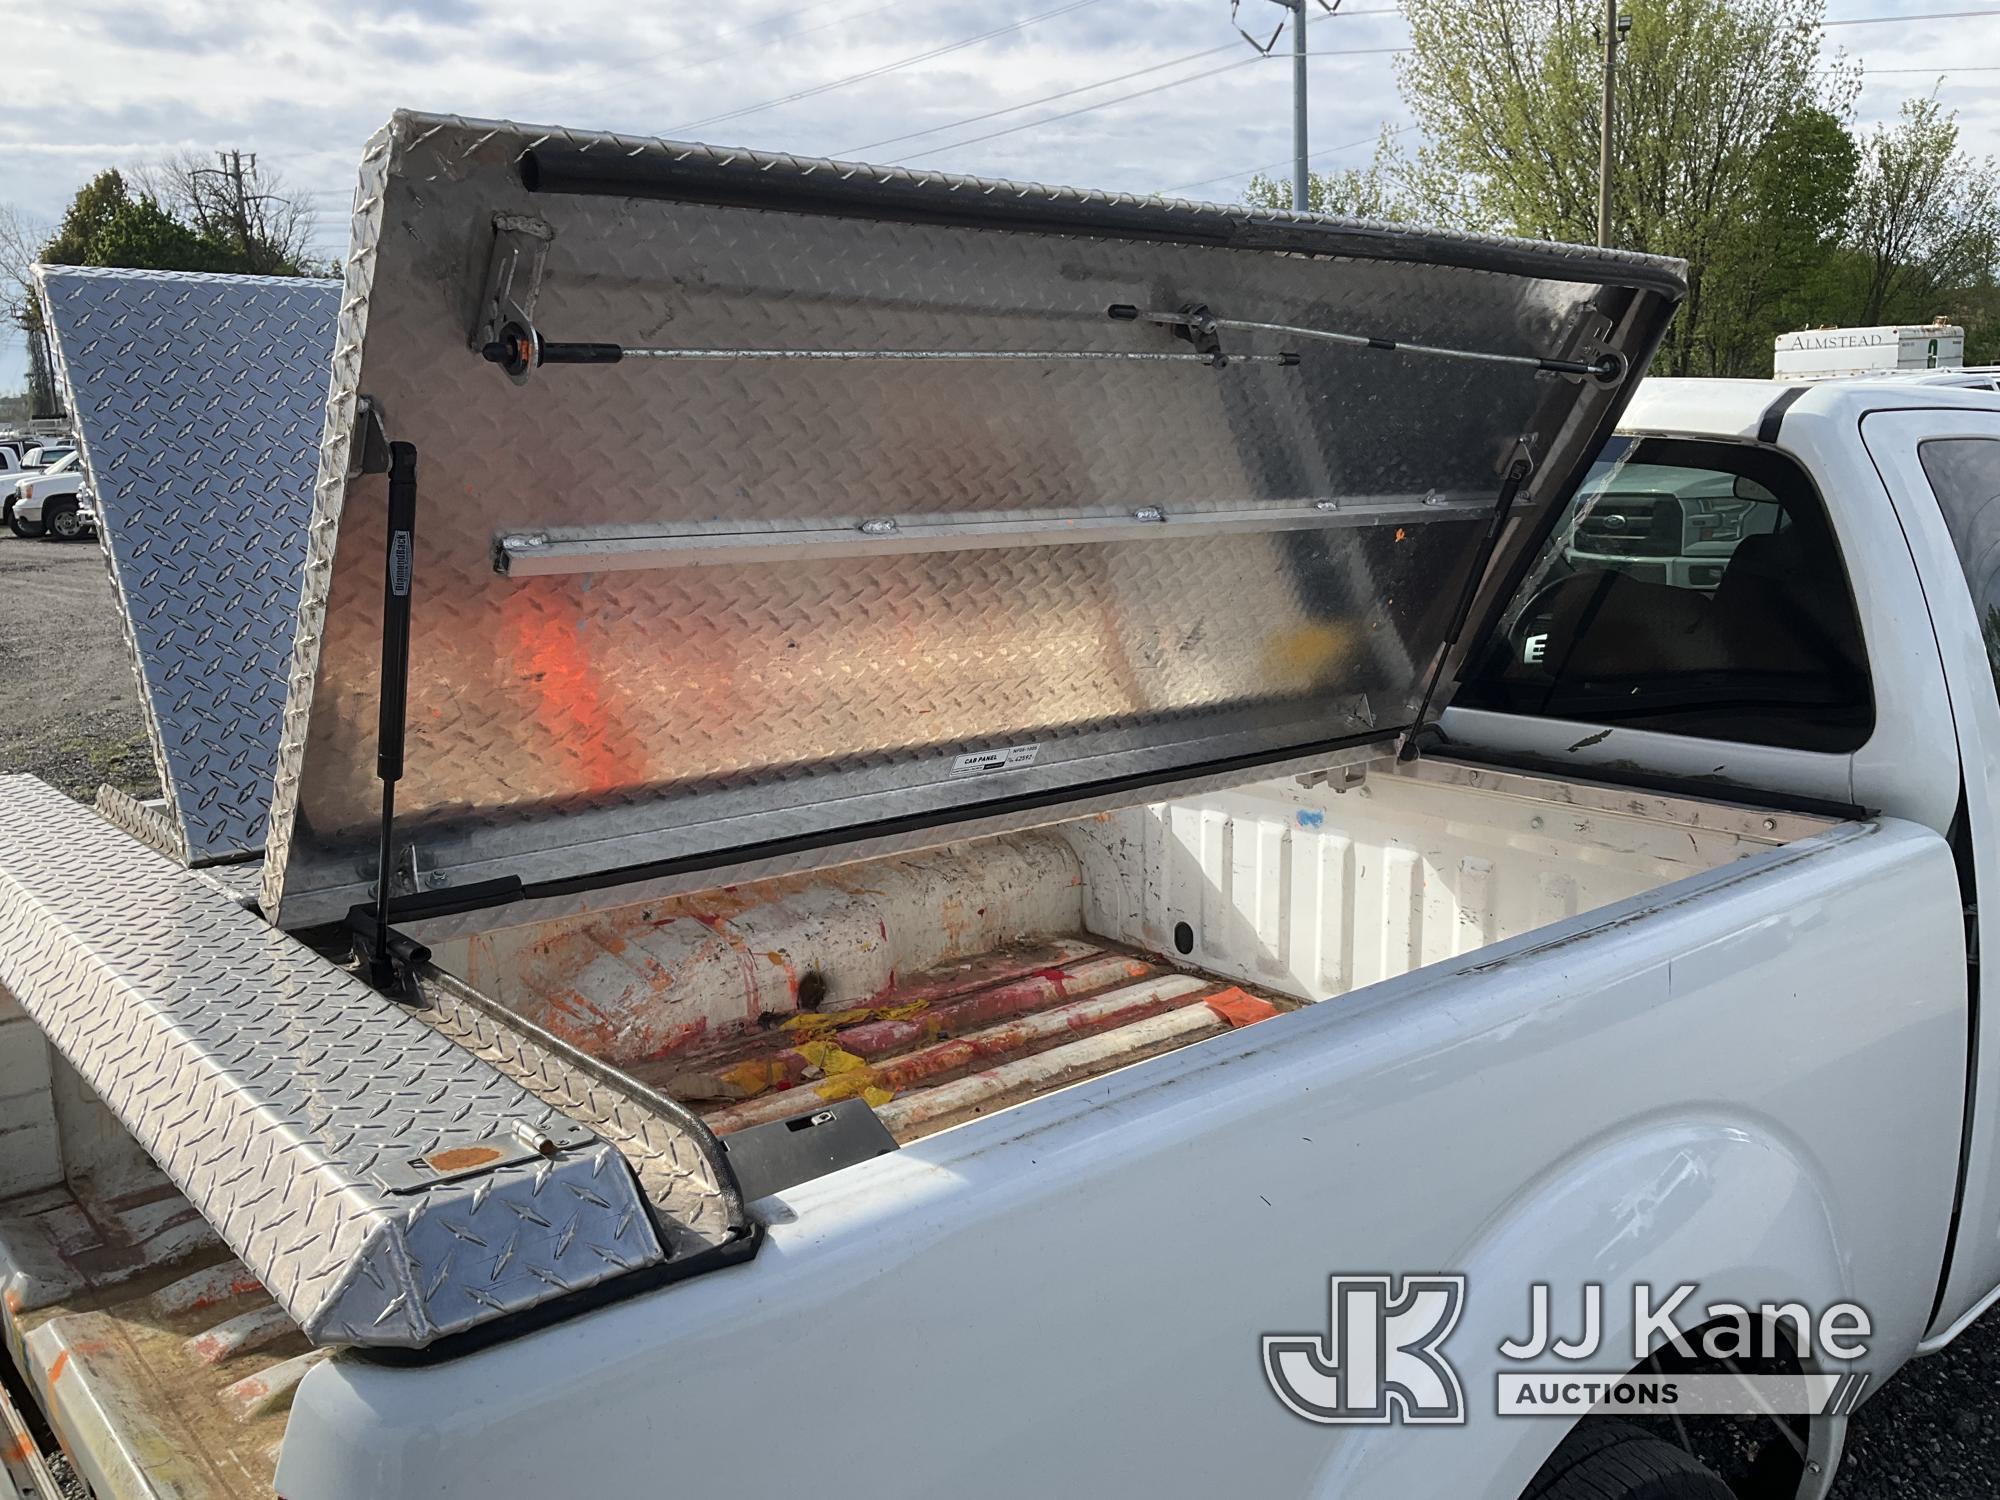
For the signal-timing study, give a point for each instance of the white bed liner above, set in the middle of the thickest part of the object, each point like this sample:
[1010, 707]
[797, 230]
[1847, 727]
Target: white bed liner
[949, 982]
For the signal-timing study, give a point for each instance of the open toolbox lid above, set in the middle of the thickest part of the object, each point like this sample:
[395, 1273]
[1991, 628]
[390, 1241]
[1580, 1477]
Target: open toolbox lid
[764, 500]
[199, 402]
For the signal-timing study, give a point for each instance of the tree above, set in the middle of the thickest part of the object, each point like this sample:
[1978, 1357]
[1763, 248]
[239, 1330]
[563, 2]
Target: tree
[1779, 265]
[1371, 192]
[1730, 147]
[1926, 218]
[19, 239]
[1507, 92]
[244, 209]
[108, 225]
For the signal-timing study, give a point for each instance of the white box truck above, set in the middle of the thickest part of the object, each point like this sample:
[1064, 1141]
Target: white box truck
[1825, 353]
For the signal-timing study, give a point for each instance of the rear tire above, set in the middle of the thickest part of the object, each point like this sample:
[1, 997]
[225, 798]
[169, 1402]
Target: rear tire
[64, 521]
[1610, 1460]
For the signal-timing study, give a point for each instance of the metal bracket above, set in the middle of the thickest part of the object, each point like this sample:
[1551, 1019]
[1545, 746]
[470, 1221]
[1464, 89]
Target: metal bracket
[784, 1153]
[513, 283]
[1586, 342]
[368, 453]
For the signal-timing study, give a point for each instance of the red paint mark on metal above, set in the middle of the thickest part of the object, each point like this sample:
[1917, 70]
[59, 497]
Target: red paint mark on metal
[1023, 1077]
[207, 1288]
[994, 1044]
[552, 659]
[995, 1003]
[1240, 1008]
[58, 1365]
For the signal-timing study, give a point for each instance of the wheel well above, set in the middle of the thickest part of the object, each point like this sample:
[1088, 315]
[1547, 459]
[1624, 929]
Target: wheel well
[1760, 1457]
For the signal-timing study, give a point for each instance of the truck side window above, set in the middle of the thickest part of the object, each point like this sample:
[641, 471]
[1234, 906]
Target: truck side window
[1689, 587]
[1965, 476]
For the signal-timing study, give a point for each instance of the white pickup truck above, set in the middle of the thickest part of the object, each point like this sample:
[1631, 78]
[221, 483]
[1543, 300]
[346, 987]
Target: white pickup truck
[1011, 1124]
[52, 501]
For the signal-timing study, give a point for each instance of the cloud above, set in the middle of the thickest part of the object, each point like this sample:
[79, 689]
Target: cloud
[306, 83]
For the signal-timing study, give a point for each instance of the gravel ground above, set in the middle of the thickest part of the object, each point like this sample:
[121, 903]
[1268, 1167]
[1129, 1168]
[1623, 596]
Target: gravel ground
[70, 714]
[69, 709]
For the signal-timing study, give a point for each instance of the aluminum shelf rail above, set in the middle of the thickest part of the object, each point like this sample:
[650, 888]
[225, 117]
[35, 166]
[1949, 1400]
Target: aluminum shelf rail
[388, 1187]
[556, 549]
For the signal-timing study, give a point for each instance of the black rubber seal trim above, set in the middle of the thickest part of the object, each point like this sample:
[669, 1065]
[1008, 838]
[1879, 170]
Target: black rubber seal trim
[848, 191]
[1774, 415]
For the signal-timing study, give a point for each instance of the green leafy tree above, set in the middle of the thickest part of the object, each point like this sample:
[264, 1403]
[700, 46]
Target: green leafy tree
[1925, 225]
[1508, 91]
[1780, 264]
[1729, 143]
[1375, 191]
[109, 225]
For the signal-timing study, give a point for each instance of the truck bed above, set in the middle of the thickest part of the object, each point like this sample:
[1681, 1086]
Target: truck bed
[163, 1365]
[948, 983]
[939, 986]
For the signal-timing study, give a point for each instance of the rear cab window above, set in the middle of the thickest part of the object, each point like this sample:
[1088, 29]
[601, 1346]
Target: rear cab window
[1965, 476]
[1693, 588]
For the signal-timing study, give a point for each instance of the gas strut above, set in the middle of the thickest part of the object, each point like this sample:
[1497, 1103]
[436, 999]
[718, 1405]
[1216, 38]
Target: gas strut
[389, 955]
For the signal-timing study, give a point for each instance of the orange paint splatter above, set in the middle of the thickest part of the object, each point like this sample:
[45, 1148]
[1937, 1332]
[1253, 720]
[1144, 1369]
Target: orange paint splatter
[555, 664]
[462, 1158]
[1239, 1008]
[57, 1366]
[1402, 535]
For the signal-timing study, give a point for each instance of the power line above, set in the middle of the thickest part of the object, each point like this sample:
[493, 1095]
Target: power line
[1868, 72]
[1157, 88]
[1932, 15]
[904, 62]
[641, 64]
[1273, 166]
[1071, 114]
[1082, 88]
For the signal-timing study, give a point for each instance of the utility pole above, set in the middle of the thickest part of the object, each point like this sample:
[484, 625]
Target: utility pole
[231, 210]
[1301, 177]
[1604, 129]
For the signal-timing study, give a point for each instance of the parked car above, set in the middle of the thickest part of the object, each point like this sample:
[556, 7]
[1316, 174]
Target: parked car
[1664, 524]
[709, 1106]
[52, 501]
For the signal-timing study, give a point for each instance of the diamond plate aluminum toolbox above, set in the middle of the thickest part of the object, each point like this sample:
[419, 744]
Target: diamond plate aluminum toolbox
[390, 1182]
[199, 402]
[766, 503]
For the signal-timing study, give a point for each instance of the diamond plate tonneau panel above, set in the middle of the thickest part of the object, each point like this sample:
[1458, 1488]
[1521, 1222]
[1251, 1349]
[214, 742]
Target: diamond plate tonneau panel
[1095, 572]
[285, 1098]
[199, 402]
[694, 1204]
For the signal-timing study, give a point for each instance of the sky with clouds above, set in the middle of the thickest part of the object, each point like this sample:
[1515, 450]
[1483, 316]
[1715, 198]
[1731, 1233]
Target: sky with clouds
[1155, 95]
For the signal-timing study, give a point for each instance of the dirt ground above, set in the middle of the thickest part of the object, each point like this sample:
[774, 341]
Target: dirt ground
[69, 713]
[69, 709]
